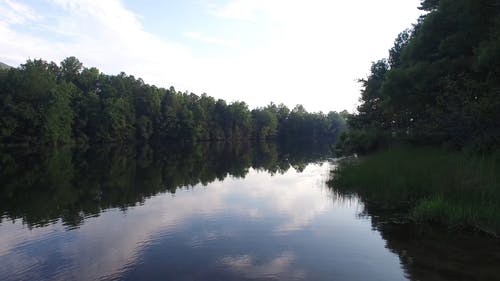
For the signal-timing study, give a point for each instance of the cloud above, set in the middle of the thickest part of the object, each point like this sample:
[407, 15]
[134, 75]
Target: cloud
[319, 48]
[240, 9]
[211, 40]
[16, 13]
[100, 33]
[309, 52]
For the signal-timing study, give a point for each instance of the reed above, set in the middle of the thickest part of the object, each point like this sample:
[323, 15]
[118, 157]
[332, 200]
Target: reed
[457, 189]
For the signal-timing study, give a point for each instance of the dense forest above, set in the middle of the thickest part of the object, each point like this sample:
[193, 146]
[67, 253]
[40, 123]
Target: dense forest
[46, 103]
[440, 83]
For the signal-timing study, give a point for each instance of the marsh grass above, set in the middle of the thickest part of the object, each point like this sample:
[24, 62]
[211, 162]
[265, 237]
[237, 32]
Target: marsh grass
[457, 189]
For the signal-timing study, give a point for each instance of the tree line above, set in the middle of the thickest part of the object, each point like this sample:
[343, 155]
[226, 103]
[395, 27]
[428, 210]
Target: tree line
[439, 84]
[46, 103]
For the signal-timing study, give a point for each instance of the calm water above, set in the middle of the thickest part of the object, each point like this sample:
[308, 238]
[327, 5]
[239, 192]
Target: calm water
[209, 212]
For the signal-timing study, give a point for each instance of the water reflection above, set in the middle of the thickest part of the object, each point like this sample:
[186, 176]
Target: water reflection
[432, 252]
[209, 212]
[73, 184]
[280, 267]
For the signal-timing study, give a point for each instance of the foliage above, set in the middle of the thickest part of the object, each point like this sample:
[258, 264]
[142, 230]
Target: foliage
[45, 103]
[441, 82]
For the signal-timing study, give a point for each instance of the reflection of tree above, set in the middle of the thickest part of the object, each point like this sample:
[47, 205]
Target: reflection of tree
[429, 252]
[71, 184]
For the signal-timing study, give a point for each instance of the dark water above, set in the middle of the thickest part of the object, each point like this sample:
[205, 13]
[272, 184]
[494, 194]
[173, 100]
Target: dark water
[210, 212]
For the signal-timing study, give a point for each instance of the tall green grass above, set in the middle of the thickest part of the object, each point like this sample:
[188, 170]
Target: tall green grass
[434, 185]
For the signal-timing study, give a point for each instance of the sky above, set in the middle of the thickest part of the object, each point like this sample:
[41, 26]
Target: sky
[308, 52]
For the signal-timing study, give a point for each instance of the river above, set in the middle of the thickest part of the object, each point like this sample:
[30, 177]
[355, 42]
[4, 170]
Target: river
[209, 212]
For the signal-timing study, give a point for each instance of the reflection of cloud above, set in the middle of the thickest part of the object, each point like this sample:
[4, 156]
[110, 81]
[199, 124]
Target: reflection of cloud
[106, 245]
[14, 233]
[202, 238]
[119, 240]
[111, 243]
[295, 196]
[301, 207]
[280, 267]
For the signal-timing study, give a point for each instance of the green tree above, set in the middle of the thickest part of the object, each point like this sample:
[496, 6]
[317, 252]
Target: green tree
[70, 69]
[264, 123]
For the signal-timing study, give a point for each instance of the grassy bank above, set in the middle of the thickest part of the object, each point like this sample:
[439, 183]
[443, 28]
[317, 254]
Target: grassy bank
[432, 185]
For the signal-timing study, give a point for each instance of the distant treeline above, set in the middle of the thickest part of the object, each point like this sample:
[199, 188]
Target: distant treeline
[46, 103]
[440, 84]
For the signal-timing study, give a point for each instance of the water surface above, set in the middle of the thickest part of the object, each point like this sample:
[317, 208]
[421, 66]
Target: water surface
[206, 212]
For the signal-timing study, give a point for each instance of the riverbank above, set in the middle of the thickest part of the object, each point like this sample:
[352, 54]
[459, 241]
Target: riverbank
[430, 185]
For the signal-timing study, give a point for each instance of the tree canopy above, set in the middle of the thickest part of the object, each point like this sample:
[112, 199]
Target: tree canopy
[46, 103]
[441, 82]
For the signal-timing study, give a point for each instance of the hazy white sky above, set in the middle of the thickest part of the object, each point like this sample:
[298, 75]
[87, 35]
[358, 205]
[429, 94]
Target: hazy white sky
[306, 52]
